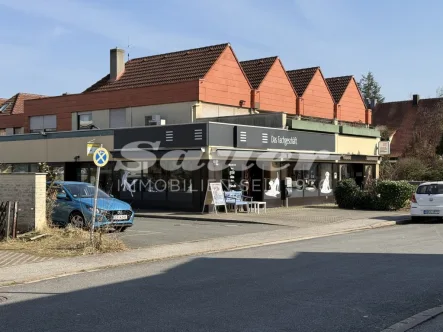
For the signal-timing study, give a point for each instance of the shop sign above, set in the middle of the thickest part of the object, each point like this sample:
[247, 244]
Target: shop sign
[268, 138]
[384, 147]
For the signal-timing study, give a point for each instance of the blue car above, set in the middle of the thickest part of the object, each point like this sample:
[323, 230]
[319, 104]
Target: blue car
[75, 204]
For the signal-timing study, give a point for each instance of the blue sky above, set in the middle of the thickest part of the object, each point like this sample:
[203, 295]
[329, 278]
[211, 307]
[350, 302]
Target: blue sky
[55, 46]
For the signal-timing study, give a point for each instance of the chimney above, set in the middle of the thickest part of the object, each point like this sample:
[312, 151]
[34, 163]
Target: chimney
[415, 99]
[117, 63]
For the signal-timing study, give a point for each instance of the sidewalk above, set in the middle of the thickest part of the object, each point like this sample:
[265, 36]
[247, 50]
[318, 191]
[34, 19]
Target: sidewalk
[65, 266]
[295, 216]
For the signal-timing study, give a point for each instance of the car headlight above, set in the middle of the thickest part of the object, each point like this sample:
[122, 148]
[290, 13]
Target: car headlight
[97, 211]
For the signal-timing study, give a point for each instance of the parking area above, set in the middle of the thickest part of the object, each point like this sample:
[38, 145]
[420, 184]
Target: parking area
[148, 232]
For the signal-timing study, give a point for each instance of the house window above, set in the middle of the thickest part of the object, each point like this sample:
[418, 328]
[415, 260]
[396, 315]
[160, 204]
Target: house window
[43, 123]
[85, 121]
[117, 118]
[4, 107]
[2, 132]
[19, 131]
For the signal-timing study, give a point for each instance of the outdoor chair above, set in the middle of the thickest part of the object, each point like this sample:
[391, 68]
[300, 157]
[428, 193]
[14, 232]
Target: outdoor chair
[236, 199]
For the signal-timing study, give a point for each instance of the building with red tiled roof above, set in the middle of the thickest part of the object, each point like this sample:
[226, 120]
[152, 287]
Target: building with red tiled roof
[315, 98]
[12, 118]
[349, 103]
[273, 90]
[404, 119]
[177, 87]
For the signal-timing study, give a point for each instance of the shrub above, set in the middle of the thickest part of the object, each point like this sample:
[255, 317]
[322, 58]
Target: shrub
[384, 195]
[347, 193]
[393, 195]
[410, 169]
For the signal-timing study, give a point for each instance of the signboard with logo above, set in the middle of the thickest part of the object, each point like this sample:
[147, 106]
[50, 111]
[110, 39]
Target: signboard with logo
[384, 147]
[268, 138]
[215, 196]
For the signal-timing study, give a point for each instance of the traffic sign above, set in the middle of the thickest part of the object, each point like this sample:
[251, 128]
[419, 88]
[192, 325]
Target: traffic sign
[91, 148]
[101, 157]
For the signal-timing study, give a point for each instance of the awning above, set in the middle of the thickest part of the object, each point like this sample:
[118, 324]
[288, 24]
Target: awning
[140, 154]
[275, 155]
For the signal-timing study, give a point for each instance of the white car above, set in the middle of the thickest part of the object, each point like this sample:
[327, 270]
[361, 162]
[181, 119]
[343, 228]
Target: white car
[427, 201]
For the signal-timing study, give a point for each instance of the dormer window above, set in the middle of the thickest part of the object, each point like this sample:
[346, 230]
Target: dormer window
[4, 107]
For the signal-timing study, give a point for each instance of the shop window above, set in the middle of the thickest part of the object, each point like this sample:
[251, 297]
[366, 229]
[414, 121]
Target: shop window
[5, 168]
[117, 118]
[180, 180]
[2, 132]
[20, 168]
[19, 131]
[272, 180]
[85, 121]
[325, 184]
[43, 123]
[130, 181]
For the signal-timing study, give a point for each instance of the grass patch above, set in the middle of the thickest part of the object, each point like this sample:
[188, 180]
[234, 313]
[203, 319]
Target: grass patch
[64, 242]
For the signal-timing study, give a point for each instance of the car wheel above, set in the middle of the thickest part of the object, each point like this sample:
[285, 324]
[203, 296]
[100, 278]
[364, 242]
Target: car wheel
[76, 219]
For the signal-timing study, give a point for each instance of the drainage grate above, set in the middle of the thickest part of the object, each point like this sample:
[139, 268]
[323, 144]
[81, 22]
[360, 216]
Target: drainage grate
[3, 299]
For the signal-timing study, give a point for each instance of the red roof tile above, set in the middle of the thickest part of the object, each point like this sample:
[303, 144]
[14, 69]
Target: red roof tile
[166, 68]
[337, 86]
[301, 78]
[405, 119]
[16, 104]
[257, 69]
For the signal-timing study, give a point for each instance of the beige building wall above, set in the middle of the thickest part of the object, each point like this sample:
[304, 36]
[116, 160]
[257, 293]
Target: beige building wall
[176, 113]
[50, 150]
[29, 190]
[357, 145]
[206, 110]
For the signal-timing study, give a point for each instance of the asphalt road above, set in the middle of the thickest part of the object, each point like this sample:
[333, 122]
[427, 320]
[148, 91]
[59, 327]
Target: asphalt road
[363, 281]
[151, 232]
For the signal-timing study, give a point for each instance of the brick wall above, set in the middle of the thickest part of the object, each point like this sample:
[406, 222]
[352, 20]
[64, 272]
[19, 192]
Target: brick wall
[225, 83]
[276, 93]
[352, 108]
[63, 106]
[29, 190]
[317, 100]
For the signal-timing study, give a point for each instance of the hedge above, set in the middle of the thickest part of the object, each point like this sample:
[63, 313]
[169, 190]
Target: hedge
[382, 195]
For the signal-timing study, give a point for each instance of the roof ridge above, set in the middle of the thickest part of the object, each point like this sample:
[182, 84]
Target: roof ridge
[340, 77]
[181, 51]
[275, 57]
[301, 69]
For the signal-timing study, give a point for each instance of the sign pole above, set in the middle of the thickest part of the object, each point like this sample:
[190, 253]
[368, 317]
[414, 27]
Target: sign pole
[97, 180]
[94, 213]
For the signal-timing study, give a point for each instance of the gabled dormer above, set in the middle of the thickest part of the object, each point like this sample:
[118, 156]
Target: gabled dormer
[314, 97]
[272, 89]
[349, 103]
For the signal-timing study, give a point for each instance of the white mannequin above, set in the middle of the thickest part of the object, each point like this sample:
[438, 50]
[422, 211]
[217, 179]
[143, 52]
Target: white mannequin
[326, 188]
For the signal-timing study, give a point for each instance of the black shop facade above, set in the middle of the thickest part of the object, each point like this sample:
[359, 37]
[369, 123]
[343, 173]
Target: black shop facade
[169, 167]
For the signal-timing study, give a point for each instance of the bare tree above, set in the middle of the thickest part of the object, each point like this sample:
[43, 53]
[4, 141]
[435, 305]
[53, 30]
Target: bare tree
[427, 133]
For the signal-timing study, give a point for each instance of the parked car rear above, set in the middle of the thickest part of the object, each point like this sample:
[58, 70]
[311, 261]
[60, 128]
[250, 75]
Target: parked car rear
[427, 201]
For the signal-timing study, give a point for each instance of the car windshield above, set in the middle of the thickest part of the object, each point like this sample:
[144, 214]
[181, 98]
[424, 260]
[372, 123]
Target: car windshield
[84, 191]
[430, 189]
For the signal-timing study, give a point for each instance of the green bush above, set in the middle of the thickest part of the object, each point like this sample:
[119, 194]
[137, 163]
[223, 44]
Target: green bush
[383, 195]
[347, 194]
[410, 169]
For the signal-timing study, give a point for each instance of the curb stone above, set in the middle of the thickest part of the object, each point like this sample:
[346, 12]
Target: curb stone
[414, 321]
